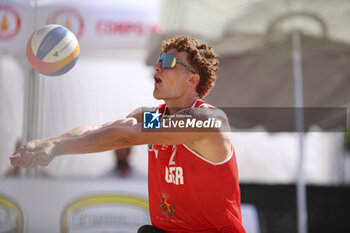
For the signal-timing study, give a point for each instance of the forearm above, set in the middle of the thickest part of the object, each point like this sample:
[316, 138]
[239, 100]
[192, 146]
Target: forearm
[90, 139]
[83, 139]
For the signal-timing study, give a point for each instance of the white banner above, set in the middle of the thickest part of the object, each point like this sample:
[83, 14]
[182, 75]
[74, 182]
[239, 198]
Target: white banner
[101, 24]
[72, 206]
[16, 25]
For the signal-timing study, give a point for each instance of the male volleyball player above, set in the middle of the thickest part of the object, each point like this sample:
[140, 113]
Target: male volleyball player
[192, 176]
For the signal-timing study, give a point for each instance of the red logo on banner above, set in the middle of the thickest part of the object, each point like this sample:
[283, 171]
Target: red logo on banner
[110, 27]
[10, 22]
[69, 18]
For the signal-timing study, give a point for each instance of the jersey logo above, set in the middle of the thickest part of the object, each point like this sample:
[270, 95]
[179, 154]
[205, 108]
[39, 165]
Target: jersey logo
[166, 207]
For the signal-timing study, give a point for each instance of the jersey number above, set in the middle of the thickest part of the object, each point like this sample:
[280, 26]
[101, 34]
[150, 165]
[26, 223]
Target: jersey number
[171, 161]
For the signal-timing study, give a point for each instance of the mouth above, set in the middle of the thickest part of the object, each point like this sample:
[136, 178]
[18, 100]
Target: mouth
[157, 79]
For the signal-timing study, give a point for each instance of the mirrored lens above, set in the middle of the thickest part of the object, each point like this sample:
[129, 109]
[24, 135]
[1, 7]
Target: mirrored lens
[168, 61]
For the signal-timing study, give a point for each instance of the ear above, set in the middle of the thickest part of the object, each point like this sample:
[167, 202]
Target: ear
[194, 79]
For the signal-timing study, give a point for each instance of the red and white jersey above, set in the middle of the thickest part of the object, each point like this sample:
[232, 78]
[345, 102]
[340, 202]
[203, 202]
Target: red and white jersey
[188, 193]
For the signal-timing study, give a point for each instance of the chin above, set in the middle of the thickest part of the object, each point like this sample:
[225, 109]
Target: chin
[156, 96]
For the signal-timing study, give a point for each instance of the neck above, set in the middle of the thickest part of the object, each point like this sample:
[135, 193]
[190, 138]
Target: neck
[178, 104]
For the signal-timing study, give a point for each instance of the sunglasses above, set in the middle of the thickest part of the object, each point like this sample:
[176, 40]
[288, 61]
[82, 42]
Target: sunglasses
[169, 61]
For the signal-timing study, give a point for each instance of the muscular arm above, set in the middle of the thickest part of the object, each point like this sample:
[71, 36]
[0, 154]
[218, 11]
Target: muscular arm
[91, 139]
[122, 133]
[82, 139]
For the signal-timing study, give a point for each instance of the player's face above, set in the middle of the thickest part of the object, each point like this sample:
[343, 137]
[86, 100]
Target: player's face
[171, 83]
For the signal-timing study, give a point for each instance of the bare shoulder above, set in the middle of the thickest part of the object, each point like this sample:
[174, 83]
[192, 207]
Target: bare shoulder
[216, 144]
[137, 113]
[216, 148]
[131, 119]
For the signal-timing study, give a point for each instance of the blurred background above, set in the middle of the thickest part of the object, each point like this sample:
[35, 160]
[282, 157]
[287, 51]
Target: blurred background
[275, 54]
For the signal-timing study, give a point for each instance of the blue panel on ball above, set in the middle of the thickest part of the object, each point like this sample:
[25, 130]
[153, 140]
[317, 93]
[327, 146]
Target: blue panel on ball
[50, 41]
[66, 68]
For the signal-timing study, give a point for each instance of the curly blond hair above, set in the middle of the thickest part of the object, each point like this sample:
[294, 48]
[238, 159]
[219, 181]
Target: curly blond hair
[201, 57]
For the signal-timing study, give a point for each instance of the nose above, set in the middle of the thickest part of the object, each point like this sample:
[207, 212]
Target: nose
[157, 67]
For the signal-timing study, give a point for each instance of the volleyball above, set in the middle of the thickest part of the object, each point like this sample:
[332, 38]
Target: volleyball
[53, 50]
